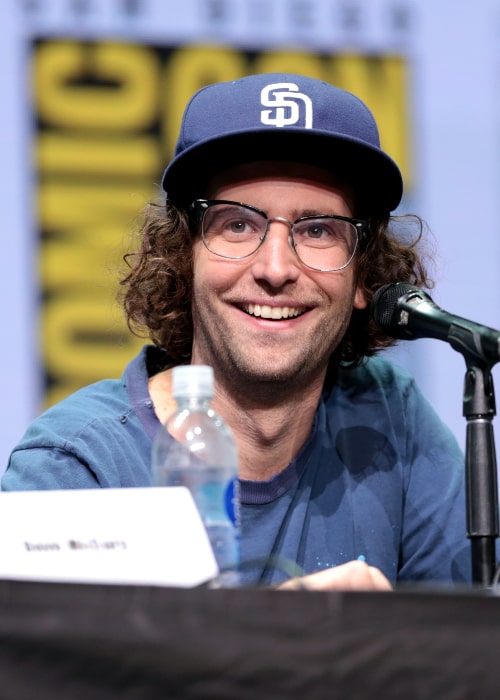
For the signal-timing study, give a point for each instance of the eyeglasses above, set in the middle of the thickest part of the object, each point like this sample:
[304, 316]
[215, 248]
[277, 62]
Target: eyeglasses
[232, 230]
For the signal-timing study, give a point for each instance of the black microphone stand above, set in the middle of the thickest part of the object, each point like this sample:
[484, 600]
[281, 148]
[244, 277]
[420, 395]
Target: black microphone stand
[481, 468]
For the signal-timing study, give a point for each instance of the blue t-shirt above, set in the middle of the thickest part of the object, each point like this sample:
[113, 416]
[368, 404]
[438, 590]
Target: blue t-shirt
[380, 477]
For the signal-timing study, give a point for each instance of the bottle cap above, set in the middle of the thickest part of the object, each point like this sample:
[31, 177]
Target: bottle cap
[192, 380]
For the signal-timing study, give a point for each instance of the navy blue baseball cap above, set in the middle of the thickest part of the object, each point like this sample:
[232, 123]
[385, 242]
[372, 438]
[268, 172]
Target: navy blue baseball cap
[281, 116]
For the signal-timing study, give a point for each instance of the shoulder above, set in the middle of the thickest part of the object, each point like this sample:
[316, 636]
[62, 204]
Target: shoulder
[376, 376]
[110, 402]
[104, 400]
[97, 435]
[383, 396]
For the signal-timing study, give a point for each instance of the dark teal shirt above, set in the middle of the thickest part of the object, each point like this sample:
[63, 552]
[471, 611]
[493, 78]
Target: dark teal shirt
[380, 477]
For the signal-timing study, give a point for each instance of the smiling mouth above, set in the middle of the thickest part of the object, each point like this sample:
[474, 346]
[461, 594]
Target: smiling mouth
[276, 313]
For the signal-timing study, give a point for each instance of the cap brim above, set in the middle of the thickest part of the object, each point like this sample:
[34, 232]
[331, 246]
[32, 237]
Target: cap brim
[375, 177]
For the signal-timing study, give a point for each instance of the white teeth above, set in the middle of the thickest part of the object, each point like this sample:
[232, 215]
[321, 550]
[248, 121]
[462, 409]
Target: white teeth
[273, 312]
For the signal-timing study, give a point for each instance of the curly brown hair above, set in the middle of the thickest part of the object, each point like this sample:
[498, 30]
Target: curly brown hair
[157, 288]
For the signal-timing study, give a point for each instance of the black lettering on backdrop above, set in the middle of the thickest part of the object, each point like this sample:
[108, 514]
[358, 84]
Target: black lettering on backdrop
[399, 17]
[351, 16]
[303, 14]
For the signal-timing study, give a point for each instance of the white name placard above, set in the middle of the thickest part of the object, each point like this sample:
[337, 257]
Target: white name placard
[149, 536]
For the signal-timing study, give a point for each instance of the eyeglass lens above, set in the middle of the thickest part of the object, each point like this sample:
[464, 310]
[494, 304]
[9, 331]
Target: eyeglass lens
[321, 242]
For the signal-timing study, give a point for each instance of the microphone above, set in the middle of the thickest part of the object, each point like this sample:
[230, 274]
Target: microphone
[407, 312]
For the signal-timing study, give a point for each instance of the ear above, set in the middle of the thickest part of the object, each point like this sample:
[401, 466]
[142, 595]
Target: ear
[359, 301]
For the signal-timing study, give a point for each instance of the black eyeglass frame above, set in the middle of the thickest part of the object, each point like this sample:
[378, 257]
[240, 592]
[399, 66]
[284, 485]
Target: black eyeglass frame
[198, 207]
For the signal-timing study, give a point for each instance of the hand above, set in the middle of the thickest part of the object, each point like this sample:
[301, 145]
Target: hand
[353, 576]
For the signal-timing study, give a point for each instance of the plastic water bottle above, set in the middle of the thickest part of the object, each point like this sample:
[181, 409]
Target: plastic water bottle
[195, 448]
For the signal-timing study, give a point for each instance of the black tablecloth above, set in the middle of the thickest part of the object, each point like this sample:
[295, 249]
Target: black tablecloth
[82, 641]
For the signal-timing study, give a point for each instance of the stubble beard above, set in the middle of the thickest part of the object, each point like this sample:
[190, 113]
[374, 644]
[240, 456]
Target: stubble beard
[267, 381]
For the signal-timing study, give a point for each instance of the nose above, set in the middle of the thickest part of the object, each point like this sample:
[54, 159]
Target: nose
[275, 261]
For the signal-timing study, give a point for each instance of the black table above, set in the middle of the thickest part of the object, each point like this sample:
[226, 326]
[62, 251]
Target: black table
[72, 641]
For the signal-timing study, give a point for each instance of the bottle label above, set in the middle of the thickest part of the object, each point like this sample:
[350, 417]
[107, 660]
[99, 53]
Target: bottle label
[232, 500]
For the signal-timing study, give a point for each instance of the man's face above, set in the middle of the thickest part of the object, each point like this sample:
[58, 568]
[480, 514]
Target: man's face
[233, 299]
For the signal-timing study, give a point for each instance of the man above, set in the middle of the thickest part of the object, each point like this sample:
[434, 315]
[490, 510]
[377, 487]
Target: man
[262, 263]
